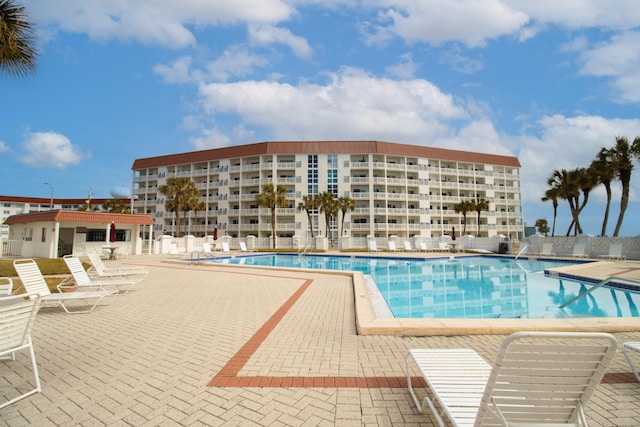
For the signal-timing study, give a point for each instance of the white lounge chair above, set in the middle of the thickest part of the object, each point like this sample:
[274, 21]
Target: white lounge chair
[80, 279]
[225, 247]
[6, 286]
[392, 246]
[243, 247]
[34, 284]
[17, 315]
[615, 252]
[579, 251]
[372, 245]
[206, 248]
[538, 378]
[407, 246]
[99, 269]
[632, 346]
[547, 249]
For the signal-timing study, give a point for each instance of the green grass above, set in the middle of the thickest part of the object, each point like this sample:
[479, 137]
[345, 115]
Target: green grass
[48, 267]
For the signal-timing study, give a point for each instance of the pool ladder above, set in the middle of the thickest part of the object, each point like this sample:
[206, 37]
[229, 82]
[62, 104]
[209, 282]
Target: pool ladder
[304, 250]
[596, 286]
[522, 250]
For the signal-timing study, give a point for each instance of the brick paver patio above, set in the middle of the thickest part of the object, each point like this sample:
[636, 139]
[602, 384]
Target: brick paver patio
[205, 345]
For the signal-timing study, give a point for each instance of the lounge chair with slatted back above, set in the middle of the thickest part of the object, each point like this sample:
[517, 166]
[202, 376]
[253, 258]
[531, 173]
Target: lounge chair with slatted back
[615, 252]
[579, 251]
[538, 378]
[80, 279]
[6, 285]
[626, 348]
[34, 284]
[99, 269]
[547, 249]
[17, 315]
[372, 245]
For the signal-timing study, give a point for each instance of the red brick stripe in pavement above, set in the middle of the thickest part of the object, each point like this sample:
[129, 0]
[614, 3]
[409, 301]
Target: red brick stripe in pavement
[228, 375]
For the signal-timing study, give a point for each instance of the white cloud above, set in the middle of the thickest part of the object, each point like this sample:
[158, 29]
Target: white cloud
[4, 147]
[210, 138]
[160, 22]
[352, 104]
[179, 71]
[567, 143]
[269, 34]
[461, 63]
[611, 14]
[49, 149]
[234, 62]
[471, 22]
[404, 68]
[618, 59]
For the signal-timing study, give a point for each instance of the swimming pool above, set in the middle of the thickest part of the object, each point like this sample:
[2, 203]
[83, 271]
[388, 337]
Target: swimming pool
[474, 287]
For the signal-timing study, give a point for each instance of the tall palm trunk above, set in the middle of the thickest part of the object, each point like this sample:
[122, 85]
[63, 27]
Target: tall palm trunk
[605, 220]
[625, 178]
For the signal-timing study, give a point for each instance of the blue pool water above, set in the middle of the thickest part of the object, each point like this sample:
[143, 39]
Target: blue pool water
[468, 287]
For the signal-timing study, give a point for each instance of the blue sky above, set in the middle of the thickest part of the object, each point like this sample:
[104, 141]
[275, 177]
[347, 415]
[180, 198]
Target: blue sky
[550, 82]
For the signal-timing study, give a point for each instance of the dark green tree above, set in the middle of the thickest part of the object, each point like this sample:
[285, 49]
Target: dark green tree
[181, 193]
[17, 45]
[273, 198]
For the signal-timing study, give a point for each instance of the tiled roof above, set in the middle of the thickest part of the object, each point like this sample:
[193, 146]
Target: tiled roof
[325, 147]
[80, 216]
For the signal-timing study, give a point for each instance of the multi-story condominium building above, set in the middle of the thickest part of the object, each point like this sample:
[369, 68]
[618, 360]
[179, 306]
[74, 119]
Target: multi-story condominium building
[398, 189]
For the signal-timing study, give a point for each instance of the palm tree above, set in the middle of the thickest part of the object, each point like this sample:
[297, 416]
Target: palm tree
[602, 168]
[620, 156]
[273, 198]
[17, 50]
[586, 180]
[565, 184]
[345, 204]
[309, 204]
[328, 204]
[480, 205]
[552, 194]
[181, 193]
[115, 206]
[194, 205]
[463, 208]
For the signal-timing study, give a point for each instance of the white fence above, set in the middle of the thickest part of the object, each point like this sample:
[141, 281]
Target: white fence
[594, 246]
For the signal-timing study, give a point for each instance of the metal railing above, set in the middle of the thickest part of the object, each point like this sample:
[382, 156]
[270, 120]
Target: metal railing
[596, 286]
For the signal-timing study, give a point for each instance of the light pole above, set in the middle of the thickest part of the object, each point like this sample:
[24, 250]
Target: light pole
[51, 201]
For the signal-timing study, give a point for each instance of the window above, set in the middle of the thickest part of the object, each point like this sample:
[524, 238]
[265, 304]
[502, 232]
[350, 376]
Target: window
[98, 235]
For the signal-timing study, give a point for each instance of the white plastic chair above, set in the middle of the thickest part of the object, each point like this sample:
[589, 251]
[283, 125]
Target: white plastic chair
[547, 249]
[538, 378]
[99, 269]
[6, 286]
[633, 346]
[80, 279]
[34, 284]
[615, 252]
[17, 315]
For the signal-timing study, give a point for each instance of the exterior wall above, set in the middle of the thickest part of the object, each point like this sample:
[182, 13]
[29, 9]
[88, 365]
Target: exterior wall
[394, 194]
[41, 239]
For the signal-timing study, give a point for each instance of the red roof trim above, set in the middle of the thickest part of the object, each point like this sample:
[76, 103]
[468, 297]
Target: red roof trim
[80, 216]
[47, 200]
[325, 147]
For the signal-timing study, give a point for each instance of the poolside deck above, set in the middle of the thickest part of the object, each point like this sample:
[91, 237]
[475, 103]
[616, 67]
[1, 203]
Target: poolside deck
[212, 345]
